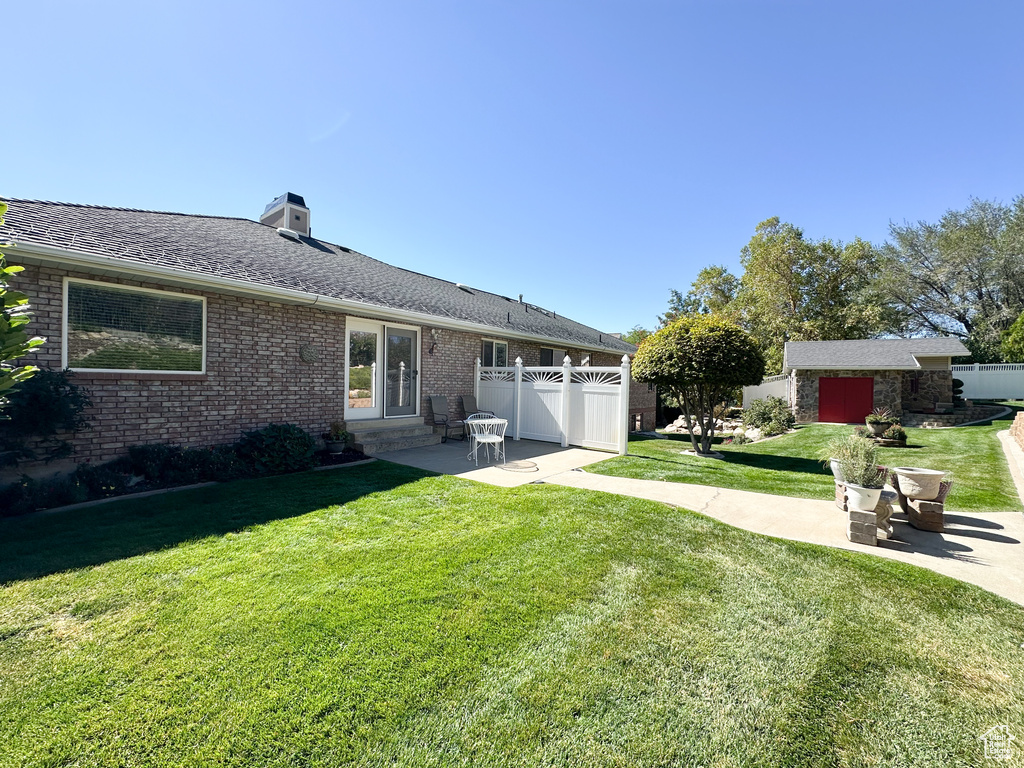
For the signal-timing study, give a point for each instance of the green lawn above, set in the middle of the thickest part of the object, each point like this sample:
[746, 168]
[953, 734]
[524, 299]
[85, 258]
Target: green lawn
[380, 616]
[788, 465]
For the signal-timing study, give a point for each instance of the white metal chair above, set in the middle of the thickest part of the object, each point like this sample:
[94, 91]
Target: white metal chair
[486, 430]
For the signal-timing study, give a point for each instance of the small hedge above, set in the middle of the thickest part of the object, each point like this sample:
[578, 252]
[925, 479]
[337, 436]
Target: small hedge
[770, 415]
[275, 449]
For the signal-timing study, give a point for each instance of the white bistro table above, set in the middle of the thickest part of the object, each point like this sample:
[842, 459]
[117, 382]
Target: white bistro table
[486, 431]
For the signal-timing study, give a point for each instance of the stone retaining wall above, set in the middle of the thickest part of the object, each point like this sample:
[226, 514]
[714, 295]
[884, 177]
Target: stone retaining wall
[1017, 429]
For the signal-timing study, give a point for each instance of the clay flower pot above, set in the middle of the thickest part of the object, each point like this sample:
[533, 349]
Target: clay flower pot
[921, 484]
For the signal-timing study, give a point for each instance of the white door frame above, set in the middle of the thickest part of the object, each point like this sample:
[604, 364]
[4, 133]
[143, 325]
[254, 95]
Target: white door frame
[358, 414]
[379, 327]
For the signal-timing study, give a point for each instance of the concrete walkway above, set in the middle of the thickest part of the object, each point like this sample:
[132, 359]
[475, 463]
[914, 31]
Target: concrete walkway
[986, 550]
[982, 549]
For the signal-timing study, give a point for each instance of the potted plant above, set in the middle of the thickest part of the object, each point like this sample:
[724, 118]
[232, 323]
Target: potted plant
[336, 438]
[858, 466]
[895, 436]
[879, 420]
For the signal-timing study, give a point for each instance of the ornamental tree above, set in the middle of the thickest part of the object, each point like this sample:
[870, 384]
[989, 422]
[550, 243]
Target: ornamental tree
[14, 341]
[1013, 341]
[700, 360]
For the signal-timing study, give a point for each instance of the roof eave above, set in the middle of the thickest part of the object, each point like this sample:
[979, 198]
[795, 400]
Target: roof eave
[67, 257]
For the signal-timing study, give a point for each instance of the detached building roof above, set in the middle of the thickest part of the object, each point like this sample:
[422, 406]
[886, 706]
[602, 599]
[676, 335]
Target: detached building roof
[240, 255]
[868, 354]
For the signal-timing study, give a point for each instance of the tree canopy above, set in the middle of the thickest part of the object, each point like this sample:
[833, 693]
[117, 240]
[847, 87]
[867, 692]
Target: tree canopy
[1013, 341]
[700, 360]
[793, 289]
[963, 276]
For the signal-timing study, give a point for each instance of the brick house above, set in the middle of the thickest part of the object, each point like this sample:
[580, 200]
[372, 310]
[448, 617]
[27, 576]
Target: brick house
[843, 381]
[190, 329]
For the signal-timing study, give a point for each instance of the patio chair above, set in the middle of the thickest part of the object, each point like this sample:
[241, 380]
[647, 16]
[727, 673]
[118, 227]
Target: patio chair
[439, 405]
[469, 406]
[486, 430]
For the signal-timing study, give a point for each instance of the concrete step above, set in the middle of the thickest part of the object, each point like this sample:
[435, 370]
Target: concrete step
[371, 435]
[363, 425]
[385, 444]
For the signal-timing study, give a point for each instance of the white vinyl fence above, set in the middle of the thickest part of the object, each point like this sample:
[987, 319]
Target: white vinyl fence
[567, 404]
[1002, 381]
[771, 385]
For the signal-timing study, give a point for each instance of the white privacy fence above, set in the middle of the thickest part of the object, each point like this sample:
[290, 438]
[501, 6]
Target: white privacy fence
[1002, 381]
[567, 404]
[771, 385]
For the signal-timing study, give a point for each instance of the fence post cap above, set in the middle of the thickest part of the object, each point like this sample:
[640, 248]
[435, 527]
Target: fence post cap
[566, 360]
[519, 361]
[625, 359]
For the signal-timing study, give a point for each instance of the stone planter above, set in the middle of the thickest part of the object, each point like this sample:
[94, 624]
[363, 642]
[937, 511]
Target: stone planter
[861, 498]
[336, 446]
[878, 427]
[836, 472]
[922, 484]
[885, 443]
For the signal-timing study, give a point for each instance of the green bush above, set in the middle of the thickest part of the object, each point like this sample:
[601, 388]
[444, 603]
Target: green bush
[28, 494]
[278, 448]
[770, 413]
[40, 410]
[895, 432]
[171, 464]
[104, 480]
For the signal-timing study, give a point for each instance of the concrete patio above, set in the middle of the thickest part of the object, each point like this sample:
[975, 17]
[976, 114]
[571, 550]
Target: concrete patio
[527, 461]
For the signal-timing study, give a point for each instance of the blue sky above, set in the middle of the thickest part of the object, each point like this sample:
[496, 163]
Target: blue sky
[590, 155]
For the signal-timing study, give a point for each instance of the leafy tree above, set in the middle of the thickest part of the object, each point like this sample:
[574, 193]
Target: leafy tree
[637, 334]
[963, 276]
[795, 289]
[14, 341]
[713, 292]
[1013, 341]
[699, 360]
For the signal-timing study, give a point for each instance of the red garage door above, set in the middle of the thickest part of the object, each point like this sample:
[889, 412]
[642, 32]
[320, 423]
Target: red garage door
[845, 399]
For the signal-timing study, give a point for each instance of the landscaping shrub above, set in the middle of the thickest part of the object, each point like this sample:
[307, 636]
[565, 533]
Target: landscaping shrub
[278, 448]
[102, 480]
[958, 391]
[768, 414]
[171, 464]
[28, 494]
[40, 410]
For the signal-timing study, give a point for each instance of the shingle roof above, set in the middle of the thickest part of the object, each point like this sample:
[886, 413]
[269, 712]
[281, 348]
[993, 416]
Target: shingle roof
[246, 250]
[868, 354]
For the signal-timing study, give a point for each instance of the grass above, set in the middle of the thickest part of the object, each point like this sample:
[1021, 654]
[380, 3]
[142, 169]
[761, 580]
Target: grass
[789, 465]
[381, 616]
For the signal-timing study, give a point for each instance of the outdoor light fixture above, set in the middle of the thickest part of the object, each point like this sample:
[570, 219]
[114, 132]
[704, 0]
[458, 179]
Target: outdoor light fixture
[435, 334]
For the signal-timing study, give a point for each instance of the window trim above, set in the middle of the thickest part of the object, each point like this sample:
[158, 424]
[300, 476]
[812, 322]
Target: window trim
[492, 342]
[65, 318]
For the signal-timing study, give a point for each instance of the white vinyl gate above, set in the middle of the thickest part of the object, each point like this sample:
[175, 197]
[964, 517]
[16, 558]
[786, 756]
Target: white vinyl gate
[567, 404]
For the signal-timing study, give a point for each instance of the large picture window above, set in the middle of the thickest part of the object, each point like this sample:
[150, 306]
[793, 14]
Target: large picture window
[494, 353]
[111, 328]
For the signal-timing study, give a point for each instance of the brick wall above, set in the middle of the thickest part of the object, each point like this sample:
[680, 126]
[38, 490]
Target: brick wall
[254, 373]
[254, 376]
